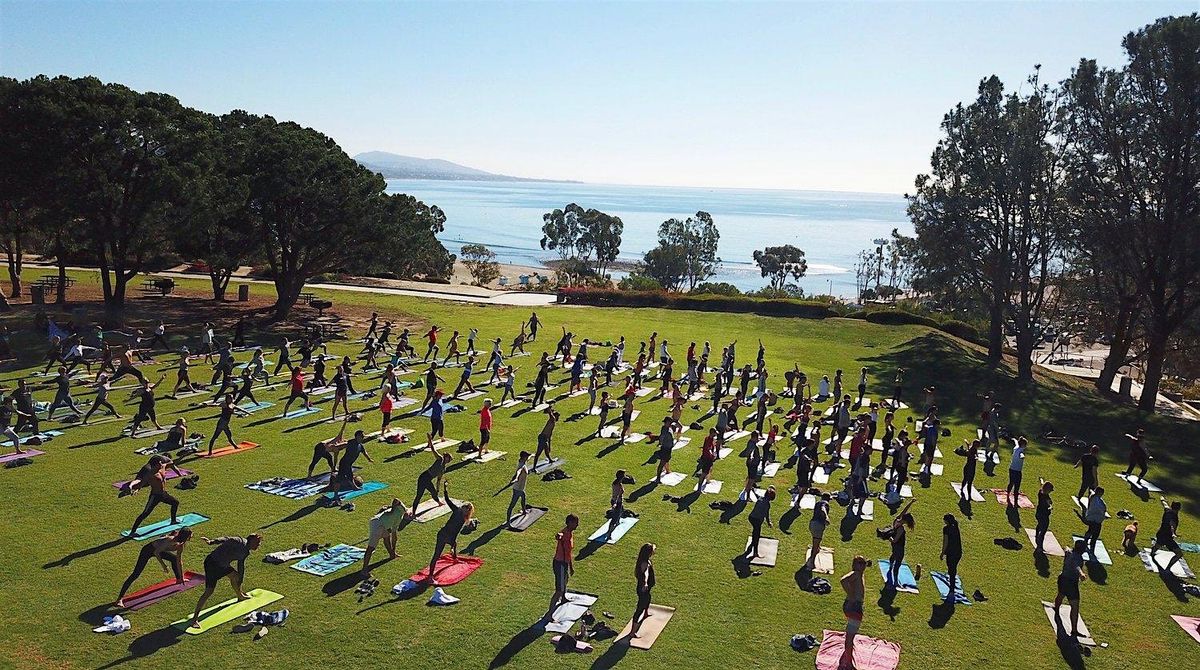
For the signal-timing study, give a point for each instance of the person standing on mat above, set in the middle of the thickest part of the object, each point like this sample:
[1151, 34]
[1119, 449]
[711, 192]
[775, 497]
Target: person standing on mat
[285, 357]
[564, 562]
[1089, 466]
[546, 436]
[431, 384]
[62, 396]
[323, 451]
[220, 563]
[228, 409]
[341, 393]
[432, 347]
[616, 502]
[1045, 506]
[7, 411]
[246, 392]
[518, 481]
[464, 380]
[460, 515]
[897, 536]
[951, 552]
[969, 452]
[1068, 583]
[817, 526]
[126, 367]
[297, 391]
[168, 549]
[1015, 468]
[666, 445]
[385, 525]
[1094, 516]
[1138, 456]
[854, 584]
[431, 477]
[759, 514]
[643, 574]
[101, 400]
[862, 388]
[344, 479]
[708, 457]
[157, 482]
[485, 426]
[1168, 528]
[437, 416]
[145, 408]
[183, 377]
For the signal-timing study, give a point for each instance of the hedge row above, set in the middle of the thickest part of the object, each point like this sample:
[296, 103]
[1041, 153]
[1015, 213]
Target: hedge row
[703, 303]
[805, 309]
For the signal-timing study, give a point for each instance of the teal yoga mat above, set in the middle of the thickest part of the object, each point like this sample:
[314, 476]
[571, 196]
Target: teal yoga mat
[296, 413]
[942, 581]
[367, 487]
[165, 526]
[906, 583]
[330, 560]
[602, 534]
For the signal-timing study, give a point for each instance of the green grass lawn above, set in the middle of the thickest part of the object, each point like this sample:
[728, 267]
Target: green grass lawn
[64, 560]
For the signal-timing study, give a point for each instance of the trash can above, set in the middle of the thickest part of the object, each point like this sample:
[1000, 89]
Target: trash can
[1126, 387]
[243, 292]
[37, 294]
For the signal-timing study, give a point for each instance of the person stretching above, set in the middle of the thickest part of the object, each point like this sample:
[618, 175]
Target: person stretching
[228, 409]
[220, 563]
[564, 562]
[448, 534]
[760, 513]
[518, 481]
[1045, 506]
[1015, 468]
[430, 479]
[1068, 583]
[951, 553]
[616, 502]
[297, 391]
[156, 480]
[1167, 531]
[897, 535]
[165, 549]
[643, 573]
[385, 525]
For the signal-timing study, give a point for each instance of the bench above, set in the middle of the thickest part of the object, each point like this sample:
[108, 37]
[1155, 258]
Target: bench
[163, 286]
[307, 298]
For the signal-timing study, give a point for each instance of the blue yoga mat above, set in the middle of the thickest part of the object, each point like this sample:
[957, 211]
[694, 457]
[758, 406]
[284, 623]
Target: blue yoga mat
[293, 488]
[367, 487]
[907, 581]
[301, 412]
[45, 435]
[602, 534]
[1188, 546]
[251, 407]
[330, 560]
[942, 581]
[165, 526]
[1101, 556]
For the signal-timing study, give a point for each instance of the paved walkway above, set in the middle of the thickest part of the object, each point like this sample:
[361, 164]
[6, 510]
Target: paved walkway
[1162, 405]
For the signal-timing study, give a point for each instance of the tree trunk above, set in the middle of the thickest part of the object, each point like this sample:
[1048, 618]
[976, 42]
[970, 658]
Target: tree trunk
[1118, 351]
[1156, 352]
[220, 282]
[16, 259]
[61, 261]
[996, 333]
[287, 292]
[1025, 345]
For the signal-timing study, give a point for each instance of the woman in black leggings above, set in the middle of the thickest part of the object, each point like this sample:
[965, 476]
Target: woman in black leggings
[952, 552]
[644, 573]
[460, 515]
[165, 549]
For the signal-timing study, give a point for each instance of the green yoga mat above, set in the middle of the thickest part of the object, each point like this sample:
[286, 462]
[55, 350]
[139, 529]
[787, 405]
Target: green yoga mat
[229, 610]
[165, 526]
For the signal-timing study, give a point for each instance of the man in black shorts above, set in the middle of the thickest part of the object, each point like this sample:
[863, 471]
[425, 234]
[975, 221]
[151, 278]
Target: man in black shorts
[219, 563]
[1167, 530]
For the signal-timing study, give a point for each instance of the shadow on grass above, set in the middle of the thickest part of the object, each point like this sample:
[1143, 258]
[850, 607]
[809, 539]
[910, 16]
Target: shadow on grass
[940, 614]
[887, 602]
[787, 519]
[849, 524]
[613, 656]
[517, 643]
[148, 644]
[84, 553]
[484, 537]
[645, 489]
[294, 516]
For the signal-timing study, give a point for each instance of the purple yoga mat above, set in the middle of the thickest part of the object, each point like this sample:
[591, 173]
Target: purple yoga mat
[168, 476]
[29, 453]
[161, 591]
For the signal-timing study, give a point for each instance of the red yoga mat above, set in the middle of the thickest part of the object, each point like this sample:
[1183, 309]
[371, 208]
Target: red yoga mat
[869, 653]
[162, 590]
[449, 571]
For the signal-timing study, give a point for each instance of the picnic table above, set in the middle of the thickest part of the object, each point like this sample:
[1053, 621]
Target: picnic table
[162, 285]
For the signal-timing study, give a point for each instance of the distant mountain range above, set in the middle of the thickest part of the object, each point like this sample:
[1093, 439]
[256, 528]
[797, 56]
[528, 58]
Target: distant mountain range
[395, 166]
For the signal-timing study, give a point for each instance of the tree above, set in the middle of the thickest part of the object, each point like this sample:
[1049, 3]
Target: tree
[864, 270]
[778, 264]
[317, 208]
[590, 236]
[21, 171]
[406, 241]
[639, 282]
[987, 217]
[686, 253]
[481, 261]
[1134, 165]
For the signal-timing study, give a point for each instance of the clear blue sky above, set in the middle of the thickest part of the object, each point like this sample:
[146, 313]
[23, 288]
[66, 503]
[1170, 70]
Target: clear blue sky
[788, 95]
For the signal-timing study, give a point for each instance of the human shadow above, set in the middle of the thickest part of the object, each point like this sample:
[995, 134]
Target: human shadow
[684, 503]
[484, 537]
[609, 659]
[741, 566]
[644, 489]
[734, 509]
[294, 516]
[609, 449]
[887, 602]
[1041, 563]
[342, 584]
[148, 644]
[517, 643]
[848, 525]
[964, 506]
[787, 519]
[940, 614]
[84, 553]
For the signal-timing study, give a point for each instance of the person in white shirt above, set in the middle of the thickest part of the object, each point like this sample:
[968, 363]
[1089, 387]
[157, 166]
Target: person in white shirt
[823, 388]
[1093, 516]
[517, 482]
[663, 356]
[471, 340]
[1015, 468]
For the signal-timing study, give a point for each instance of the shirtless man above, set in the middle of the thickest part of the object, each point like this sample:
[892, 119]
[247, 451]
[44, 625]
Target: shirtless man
[126, 367]
[855, 585]
[156, 480]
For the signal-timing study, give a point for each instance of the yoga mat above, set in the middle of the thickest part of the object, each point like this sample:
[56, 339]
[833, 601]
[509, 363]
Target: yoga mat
[168, 475]
[869, 653]
[330, 560]
[449, 570]
[28, 453]
[566, 614]
[820, 476]
[252, 407]
[1160, 559]
[671, 478]
[1101, 552]
[161, 591]
[768, 551]
[681, 443]
[723, 453]
[771, 469]
[1139, 483]
[976, 496]
[1189, 624]
[823, 563]
[732, 435]
[907, 583]
[1082, 503]
[546, 466]
[367, 487]
[227, 450]
[808, 501]
[521, 521]
[602, 534]
[444, 443]
[230, 610]
[165, 526]
[430, 510]
[1061, 622]
[942, 581]
[296, 413]
[487, 457]
[868, 510]
[1049, 543]
[153, 432]
[1023, 500]
[293, 488]
[1190, 547]
[657, 617]
[468, 395]
[44, 436]
[713, 486]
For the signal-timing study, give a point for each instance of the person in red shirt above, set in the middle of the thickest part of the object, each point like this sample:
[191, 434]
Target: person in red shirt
[564, 562]
[485, 426]
[433, 346]
[298, 391]
[385, 409]
[708, 456]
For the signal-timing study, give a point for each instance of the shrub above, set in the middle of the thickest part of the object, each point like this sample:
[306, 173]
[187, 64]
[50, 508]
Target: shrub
[481, 262]
[704, 303]
[961, 329]
[636, 282]
[715, 288]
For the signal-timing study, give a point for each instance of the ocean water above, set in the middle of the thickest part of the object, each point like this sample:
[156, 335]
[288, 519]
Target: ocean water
[830, 227]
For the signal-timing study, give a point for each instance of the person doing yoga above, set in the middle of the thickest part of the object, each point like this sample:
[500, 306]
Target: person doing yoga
[460, 515]
[854, 584]
[168, 550]
[220, 563]
[431, 478]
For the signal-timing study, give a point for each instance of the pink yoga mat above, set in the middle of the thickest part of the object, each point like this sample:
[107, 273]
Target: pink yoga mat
[29, 453]
[869, 653]
[1188, 624]
[1023, 500]
[449, 571]
[162, 590]
[168, 475]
